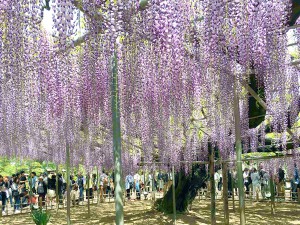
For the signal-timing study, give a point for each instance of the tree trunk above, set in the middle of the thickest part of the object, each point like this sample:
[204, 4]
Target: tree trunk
[186, 189]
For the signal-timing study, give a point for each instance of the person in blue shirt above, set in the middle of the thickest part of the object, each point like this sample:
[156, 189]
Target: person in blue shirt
[128, 184]
[80, 182]
[137, 190]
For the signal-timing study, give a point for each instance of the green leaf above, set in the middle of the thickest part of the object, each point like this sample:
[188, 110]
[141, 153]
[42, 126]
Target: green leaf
[143, 4]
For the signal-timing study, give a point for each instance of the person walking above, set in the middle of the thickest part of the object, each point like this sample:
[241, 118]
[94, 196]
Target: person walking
[246, 181]
[16, 195]
[129, 181]
[51, 189]
[60, 188]
[217, 180]
[103, 185]
[34, 179]
[255, 184]
[138, 190]
[3, 191]
[280, 184]
[80, 182]
[41, 190]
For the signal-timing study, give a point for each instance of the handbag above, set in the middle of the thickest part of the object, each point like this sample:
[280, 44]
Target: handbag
[15, 193]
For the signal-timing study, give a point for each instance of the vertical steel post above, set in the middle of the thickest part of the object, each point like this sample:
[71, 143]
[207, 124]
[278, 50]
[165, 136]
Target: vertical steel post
[225, 192]
[68, 184]
[174, 196]
[212, 184]
[238, 148]
[117, 142]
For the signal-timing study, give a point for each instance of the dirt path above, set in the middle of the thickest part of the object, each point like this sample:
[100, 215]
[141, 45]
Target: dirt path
[141, 212]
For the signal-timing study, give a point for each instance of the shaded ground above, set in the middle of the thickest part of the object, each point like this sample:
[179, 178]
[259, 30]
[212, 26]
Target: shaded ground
[141, 212]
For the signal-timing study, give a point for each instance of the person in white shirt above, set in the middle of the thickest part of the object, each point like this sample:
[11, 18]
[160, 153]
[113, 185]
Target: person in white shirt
[246, 180]
[150, 181]
[217, 179]
[256, 183]
[136, 179]
[103, 185]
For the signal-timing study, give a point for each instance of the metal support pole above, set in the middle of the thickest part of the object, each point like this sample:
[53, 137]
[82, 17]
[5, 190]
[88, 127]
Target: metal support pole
[272, 190]
[153, 186]
[56, 189]
[68, 184]
[233, 193]
[225, 193]
[212, 184]
[30, 185]
[238, 148]
[117, 142]
[174, 196]
[98, 188]
[88, 194]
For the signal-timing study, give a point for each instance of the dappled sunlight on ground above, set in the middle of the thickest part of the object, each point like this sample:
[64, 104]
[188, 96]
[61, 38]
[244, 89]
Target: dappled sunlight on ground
[141, 212]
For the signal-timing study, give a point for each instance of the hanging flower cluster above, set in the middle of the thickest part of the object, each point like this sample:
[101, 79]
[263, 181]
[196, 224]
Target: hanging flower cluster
[179, 63]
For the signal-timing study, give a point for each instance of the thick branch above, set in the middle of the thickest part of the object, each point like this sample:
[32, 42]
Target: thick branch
[74, 43]
[263, 104]
[92, 15]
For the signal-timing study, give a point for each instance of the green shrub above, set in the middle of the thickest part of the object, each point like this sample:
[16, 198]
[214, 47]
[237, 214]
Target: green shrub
[40, 217]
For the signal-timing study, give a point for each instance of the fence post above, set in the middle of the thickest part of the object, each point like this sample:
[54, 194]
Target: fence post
[1, 211]
[272, 190]
[40, 202]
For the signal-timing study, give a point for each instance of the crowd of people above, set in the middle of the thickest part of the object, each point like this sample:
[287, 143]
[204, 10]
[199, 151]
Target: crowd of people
[22, 190]
[257, 183]
[142, 184]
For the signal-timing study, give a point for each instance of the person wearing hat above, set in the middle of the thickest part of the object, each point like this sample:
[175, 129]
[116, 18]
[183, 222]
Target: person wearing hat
[41, 189]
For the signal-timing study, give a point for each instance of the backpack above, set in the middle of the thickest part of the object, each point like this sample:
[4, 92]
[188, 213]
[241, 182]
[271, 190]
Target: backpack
[131, 184]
